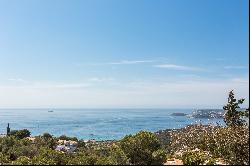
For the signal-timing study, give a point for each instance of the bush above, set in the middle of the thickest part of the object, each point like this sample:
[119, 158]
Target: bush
[118, 157]
[191, 137]
[142, 148]
[20, 133]
[23, 150]
[47, 136]
[52, 156]
[45, 141]
[7, 143]
[3, 159]
[23, 160]
[159, 157]
[229, 143]
[82, 159]
[193, 158]
[64, 137]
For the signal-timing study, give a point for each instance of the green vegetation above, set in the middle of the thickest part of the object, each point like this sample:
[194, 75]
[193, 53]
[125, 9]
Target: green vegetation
[229, 144]
[194, 145]
[20, 133]
[143, 149]
[42, 151]
[193, 158]
[64, 137]
[233, 116]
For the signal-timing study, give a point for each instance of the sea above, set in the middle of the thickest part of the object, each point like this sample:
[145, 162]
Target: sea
[98, 124]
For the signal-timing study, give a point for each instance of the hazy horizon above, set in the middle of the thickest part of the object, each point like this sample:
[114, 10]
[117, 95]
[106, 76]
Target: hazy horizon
[244, 106]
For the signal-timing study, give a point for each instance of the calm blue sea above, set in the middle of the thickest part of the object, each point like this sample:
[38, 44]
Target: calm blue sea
[99, 124]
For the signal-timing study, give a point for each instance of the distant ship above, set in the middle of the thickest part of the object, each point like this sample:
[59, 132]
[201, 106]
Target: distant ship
[50, 111]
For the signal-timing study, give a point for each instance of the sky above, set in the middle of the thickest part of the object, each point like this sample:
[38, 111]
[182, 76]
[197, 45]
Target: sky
[123, 54]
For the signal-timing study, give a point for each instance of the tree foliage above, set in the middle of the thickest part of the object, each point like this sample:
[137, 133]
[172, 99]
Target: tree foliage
[142, 148]
[229, 143]
[64, 137]
[193, 158]
[20, 133]
[233, 116]
[46, 141]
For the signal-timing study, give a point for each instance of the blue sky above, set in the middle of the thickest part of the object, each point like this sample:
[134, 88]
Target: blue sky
[126, 53]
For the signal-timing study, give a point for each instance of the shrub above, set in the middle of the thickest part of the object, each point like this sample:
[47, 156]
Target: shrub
[55, 156]
[20, 133]
[45, 141]
[139, 148]
[64, 137]
[191, 137]
[23, 160]
[47, 136]
[82, 159]
[193, 158]
[229, 143]
[118, 157]
[3, 159]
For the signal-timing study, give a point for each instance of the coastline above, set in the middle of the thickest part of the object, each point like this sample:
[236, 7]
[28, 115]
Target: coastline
[93, 124]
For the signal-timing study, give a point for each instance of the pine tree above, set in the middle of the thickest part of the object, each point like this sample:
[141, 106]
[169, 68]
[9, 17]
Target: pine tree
[233, 116]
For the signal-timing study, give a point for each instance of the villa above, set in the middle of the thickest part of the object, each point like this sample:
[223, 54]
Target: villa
[66, 146]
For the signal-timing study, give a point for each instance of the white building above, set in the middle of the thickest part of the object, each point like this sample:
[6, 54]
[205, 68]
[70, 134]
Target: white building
[66, 146]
